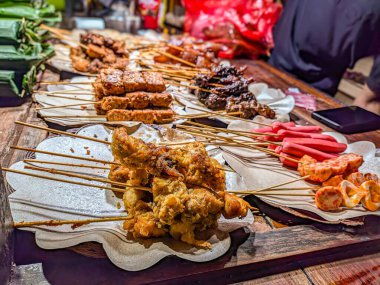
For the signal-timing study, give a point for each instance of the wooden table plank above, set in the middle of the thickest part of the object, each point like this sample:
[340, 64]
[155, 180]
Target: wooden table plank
[294, 277]
[354, 271]
[245, 260]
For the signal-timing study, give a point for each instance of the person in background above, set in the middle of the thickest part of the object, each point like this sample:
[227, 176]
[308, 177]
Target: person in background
[318, 40]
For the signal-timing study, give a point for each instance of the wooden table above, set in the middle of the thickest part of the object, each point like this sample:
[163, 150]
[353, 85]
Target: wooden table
[298, 254]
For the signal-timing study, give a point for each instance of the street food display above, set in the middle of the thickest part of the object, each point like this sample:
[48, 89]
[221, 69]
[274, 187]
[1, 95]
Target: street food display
[96, 52]
[165, 192]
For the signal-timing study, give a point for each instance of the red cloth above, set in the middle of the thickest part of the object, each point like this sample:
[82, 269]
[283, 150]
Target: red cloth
[245, 26]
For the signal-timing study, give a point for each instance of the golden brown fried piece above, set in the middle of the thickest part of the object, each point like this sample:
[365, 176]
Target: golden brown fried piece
[190, 163]
[135, 100]
[234, 206]
[80, 64]
[143, 224]
[188, 190]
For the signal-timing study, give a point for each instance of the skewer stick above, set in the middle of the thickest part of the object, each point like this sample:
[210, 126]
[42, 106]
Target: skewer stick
[64, 83]
[74, 116]
[235, 141]
[270, 194]
[54, 131]
[29, 161]
[173, 66]
[69, 222]
[64, 155]
[182, 49]
[71, 98]
[67, 105]
[62, 180]
[192, 87]
[70, 91]
[86, 177]
[62, 36]
[282, 184]
[239, 133]
[246, 120]
[239, 143]
[176, 58]
[201, 115]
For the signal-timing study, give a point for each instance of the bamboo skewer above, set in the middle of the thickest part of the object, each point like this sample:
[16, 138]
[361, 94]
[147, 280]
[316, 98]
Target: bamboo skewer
[70, 91]
[67, 105]
[68, 222]
[240, 143]
[271, 194]
[64, 83]
[238, 133]
[54, 131]
[212, 112]
[64, 155]
[72, 98]
[62, 36]
[86, 177]
[285, 183]
[29, 161]
[62, 180]
[176, 58]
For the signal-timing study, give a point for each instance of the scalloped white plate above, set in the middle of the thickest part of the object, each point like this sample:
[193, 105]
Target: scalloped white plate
[39, 199]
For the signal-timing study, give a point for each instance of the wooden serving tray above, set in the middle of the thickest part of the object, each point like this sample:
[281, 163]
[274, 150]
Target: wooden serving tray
[265, 248]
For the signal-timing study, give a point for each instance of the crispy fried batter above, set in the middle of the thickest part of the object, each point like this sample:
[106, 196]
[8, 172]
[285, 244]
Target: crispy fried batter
[188, 190]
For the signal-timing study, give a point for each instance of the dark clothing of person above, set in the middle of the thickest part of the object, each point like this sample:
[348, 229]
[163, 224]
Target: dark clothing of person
[317, 40]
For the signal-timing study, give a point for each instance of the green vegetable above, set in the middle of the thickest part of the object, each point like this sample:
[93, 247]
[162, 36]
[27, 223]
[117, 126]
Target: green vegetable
[34, 12]
[7, 82]
[10, 31]
[24, 58]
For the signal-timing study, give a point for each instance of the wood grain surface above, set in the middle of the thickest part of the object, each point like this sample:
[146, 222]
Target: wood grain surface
[308, 253]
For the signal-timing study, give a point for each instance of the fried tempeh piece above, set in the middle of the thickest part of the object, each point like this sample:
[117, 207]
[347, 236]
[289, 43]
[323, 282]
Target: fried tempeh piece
[147, 116]
[135, 100]
[113, 81]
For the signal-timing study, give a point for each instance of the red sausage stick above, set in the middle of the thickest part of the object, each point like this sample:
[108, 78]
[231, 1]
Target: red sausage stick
[306, 129]
[292, 134]
[322, 145]
[300, 150]
[288, 162]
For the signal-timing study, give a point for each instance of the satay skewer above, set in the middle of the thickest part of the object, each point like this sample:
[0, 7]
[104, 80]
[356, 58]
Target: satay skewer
[169, 120]
[241, 144]
[64, 155]
[62, 36]
[86, 177]
[227, 116]
[54, 131]
[62, 180]
[67, 105]
[270, 194]
[31, 161]
[176, 58]
[69, 222]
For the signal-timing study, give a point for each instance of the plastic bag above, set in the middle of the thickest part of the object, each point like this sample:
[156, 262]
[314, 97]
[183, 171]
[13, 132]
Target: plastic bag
[245, 27]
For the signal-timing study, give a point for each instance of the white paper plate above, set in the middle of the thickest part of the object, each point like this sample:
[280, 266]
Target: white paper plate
[39, 199]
